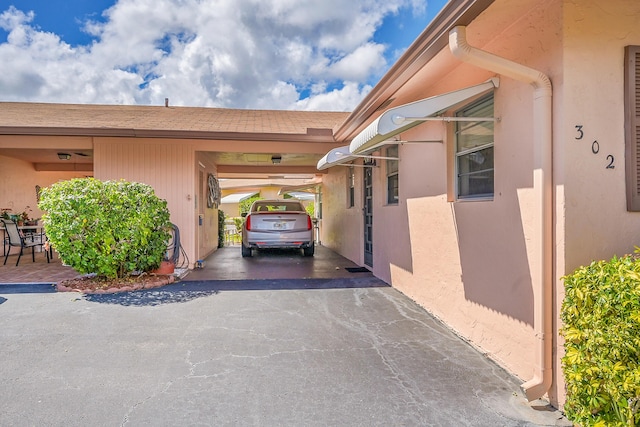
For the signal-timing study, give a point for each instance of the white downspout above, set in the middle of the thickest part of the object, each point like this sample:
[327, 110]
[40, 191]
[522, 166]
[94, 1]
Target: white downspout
[542, 184]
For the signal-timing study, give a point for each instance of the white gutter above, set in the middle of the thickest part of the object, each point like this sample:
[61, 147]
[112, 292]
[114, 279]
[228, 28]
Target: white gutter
[542, 183]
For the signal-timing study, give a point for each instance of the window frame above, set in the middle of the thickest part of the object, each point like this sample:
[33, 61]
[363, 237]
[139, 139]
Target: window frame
[351, 186]
[392, 170]
[480, 150]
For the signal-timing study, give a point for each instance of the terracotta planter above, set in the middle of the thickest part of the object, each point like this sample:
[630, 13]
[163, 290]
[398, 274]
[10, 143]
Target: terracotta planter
[166, 267]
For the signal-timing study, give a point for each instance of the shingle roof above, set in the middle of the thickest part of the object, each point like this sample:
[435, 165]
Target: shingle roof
[20, 117]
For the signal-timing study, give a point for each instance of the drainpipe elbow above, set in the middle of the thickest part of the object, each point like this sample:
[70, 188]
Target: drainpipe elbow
[537, 386]
[458, 43]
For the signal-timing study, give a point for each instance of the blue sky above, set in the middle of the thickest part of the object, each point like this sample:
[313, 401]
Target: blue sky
[267, 54]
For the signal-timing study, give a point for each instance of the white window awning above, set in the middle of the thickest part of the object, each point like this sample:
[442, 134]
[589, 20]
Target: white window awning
[335, 157]
[301, 195]
[237, 197]
[399, 119]
[309, 187]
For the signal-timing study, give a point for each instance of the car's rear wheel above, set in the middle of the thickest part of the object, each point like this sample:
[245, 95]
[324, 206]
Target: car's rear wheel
[246, 252]
[309, 251]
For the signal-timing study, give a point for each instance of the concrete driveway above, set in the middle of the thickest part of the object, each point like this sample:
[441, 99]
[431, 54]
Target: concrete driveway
[291, 352]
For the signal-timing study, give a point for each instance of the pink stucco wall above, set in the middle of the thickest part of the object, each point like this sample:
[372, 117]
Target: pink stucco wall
[18, 180]
[473, 264]
[470, 263]
[342, 226]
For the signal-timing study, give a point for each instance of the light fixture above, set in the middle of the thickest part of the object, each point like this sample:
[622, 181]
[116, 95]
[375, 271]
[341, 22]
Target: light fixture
[276, 159]
[64, 156]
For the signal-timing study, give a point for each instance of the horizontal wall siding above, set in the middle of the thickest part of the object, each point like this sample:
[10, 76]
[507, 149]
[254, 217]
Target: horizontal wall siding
[166, 166]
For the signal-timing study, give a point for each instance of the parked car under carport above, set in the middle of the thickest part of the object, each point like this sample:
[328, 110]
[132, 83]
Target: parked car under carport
[280, 224]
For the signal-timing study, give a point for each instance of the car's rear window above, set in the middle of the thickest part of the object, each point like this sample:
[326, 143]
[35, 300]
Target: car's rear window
[277, 207]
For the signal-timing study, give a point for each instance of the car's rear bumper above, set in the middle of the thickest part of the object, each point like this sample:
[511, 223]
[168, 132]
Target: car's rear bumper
[279, 245]
[260, 240]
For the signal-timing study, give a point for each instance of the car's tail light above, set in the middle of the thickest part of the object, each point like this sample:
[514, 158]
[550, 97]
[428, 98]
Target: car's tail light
[309, 223]
[248, 223]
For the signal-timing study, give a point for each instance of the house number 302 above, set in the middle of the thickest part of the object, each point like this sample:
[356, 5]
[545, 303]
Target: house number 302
[595, 147]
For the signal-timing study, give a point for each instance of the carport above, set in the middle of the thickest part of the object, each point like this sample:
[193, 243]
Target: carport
[186, 154]
[224, 264]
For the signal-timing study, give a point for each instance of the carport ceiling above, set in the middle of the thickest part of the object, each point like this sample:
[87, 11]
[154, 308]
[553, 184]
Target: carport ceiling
[264, 159]
[48, 159]
[261, 165]
[296, 165]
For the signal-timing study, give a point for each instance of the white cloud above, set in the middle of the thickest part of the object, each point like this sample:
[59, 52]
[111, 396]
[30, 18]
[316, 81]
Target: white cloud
[336, 100]
[224, 53]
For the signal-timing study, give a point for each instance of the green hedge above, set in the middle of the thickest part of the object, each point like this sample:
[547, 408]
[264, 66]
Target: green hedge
[601, 317]
[110, 228]
[221, 225]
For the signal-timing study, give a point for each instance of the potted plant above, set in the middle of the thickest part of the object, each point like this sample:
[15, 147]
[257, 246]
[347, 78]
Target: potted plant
[22, 217]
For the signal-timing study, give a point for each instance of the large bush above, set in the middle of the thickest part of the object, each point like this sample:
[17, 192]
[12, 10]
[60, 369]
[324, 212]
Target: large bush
[110, 228]
[601, 316]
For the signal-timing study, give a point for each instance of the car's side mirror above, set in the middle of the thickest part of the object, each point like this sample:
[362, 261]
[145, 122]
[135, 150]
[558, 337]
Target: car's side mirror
[243, 214]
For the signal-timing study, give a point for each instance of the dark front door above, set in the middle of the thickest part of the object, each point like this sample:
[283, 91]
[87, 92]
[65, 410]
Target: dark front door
[368, 216]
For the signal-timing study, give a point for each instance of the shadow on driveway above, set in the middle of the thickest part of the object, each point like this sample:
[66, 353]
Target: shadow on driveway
[187, 291]
[27, 288]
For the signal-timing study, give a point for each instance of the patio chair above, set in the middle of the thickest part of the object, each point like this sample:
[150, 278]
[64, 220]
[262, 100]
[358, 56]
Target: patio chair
[15, 238]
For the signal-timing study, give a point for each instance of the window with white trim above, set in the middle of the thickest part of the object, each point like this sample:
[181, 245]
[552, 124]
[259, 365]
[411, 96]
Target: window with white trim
[474, 152]
[392, 175]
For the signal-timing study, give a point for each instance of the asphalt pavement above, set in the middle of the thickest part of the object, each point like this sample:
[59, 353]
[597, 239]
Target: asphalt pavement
[347, 351]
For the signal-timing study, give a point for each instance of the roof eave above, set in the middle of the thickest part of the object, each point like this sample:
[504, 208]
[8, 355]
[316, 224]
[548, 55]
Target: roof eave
[167, 134]
[433, 39]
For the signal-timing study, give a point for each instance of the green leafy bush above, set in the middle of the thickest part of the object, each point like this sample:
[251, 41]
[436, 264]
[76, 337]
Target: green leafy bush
[245, 205]
[601, 316]
[110, 228]
[221, 218]
[238, 221]
[311, 209]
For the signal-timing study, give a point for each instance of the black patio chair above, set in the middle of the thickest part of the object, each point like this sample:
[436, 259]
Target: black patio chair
[17, 239]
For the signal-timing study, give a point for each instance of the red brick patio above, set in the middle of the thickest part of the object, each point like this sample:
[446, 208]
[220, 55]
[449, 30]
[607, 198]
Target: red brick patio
[34, 272]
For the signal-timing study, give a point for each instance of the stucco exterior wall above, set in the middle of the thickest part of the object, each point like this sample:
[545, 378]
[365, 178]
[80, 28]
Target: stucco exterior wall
[595, 36]
[18, 180]
[472, 263]
[342, 226]
[590, 176]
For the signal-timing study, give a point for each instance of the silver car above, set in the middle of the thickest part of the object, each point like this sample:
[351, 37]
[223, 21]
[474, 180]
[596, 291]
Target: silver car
[277, 224]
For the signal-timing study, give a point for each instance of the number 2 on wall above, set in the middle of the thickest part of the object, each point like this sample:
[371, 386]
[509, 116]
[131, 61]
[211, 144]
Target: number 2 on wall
[611, 160]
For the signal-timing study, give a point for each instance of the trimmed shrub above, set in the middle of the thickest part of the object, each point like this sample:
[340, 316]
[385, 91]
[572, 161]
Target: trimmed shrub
[601, 366]
[109, 228]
